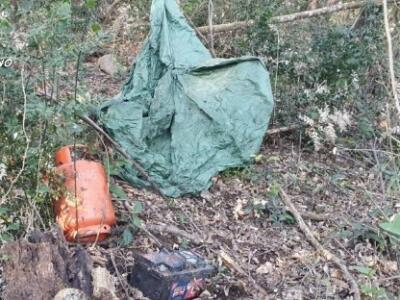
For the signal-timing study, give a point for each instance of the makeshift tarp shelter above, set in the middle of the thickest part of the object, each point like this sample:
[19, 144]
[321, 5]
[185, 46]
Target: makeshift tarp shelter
[183, 115]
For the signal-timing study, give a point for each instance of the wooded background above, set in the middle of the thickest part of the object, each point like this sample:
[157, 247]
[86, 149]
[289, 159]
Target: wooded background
[334, 68]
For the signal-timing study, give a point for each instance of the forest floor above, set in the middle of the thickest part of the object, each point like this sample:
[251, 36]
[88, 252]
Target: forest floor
[241, 225]
[242, 217]
[243, 228]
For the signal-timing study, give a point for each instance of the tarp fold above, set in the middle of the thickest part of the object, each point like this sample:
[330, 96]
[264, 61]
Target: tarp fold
[183, 115]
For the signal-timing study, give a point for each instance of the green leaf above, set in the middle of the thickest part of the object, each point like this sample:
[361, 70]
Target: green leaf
[91, 4]
[137, 208]
[4, 24]
[127, 237]
[392, 227]
[5, 237]
[96, 27]
[43, 188]
[273, 191]
[3, 210]
[115, 167]
[372, 291]
[137, 222]
[287, 217]
[365, 270]
[118, 192]
[13, 227]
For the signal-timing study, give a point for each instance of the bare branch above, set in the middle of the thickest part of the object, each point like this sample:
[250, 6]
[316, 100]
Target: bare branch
[293, 17]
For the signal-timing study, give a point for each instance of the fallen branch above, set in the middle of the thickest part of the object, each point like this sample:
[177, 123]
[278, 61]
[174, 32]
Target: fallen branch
[293, 17]
[284, 129]
[317, 245]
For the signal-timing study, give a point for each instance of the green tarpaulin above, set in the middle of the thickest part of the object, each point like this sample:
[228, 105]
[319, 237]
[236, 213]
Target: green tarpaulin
[183, 115]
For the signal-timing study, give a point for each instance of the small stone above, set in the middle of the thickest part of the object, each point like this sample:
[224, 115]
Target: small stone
[108, 64]
[293, 294]
[266, 268]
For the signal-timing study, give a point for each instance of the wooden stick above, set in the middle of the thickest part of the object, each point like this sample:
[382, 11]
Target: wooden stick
[317, 245]
[293, 17]
[117, 147]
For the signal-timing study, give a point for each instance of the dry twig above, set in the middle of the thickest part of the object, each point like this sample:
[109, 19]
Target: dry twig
[317, 245]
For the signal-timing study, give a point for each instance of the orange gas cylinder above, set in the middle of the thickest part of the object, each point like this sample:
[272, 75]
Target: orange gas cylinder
[84, 211]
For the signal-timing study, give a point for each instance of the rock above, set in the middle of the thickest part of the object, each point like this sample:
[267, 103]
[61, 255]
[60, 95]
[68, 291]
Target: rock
[108, 64]
[266, 268]
[103, 284]
[70, 294]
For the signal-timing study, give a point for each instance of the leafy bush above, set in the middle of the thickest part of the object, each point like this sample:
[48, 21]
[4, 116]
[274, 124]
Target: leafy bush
[38, 111]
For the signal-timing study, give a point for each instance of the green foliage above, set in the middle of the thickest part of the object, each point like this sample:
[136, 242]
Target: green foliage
[134, 224]
[392, 227]
[278, 214]
[362, 232]
[9, 224]
[118, 192]
[44, 43]
[367, 271]
[317, 61]
[373, 292]
[369, 289]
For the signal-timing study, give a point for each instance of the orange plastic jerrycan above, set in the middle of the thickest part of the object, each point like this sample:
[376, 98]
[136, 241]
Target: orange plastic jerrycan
[84, 210]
